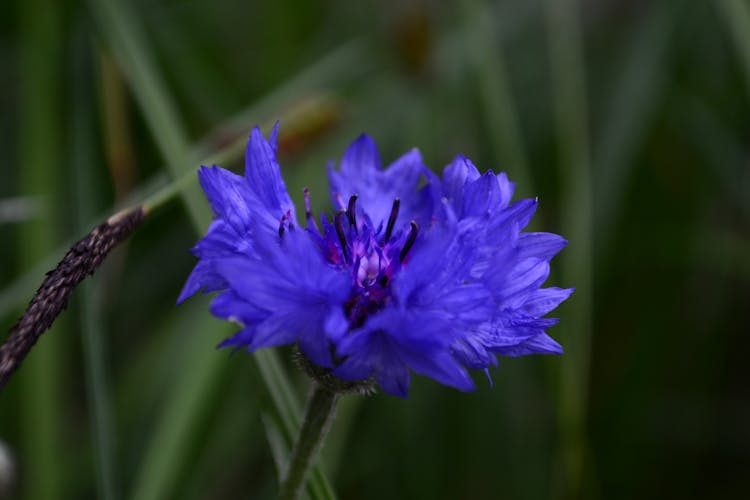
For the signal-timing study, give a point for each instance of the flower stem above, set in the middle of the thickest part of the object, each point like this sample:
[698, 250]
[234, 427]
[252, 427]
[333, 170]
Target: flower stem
[318, 416]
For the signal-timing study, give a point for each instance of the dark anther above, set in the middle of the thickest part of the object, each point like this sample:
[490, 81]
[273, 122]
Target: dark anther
[281, 226]
[392, 219]
[409, 241]
[383, 281]
[289, 219]
[340, 233]
[351, 212]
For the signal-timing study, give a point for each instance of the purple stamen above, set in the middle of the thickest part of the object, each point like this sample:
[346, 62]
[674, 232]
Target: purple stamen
[351, 212]
[409, 241]
[357, 262]
[308, 211]
[340, 232]
[392, 219]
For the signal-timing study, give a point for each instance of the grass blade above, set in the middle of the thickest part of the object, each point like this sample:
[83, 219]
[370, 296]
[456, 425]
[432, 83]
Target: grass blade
[566, 50]
[127, 42]
[640, 85]
[736, 14]
[498, 107]
[186, 408]
[97, 378]
[40, 387]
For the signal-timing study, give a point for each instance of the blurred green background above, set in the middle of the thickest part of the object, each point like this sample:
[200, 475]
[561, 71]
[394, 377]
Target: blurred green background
[630, 120]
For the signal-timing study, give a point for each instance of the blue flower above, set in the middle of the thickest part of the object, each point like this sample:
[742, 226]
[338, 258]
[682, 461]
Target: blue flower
[413, 273]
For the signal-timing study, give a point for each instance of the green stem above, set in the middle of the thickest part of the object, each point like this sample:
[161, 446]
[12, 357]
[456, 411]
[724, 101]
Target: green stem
[318, 417]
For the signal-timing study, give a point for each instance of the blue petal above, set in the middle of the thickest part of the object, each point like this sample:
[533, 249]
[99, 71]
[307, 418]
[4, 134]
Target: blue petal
[395, 382]
[202, 277]
[471, 351]
[230, 197]
[468, 289]
[518, 215]
[221, 240]
[275, 330]
[540, 245]
[372, 353]
[427, 267]
[526, 276]
[455, 176]
[437, 293]
[440, 366]
[497, 335]
[361, 173]
[336, 324]
[544, 300]
[285, 275]
[401, 180]
[273, 138]
[482, 197]
[360, 165]
[238, 340]
[228, 305]
[361, 350]
[264, 177]
[391, 343]
[297, 289]
[313, 344]
[361, 158]
[539, 344]
[471, 194]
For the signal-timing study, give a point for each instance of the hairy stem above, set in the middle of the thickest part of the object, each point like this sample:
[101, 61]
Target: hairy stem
[318, 416]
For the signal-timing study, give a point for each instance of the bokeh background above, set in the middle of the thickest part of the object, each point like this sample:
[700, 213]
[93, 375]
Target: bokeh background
[629, 119]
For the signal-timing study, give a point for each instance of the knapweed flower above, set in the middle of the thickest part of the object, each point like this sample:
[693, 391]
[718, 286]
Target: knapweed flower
[412, 273]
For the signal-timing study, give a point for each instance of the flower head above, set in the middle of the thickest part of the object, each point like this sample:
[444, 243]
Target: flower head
[412, 273]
